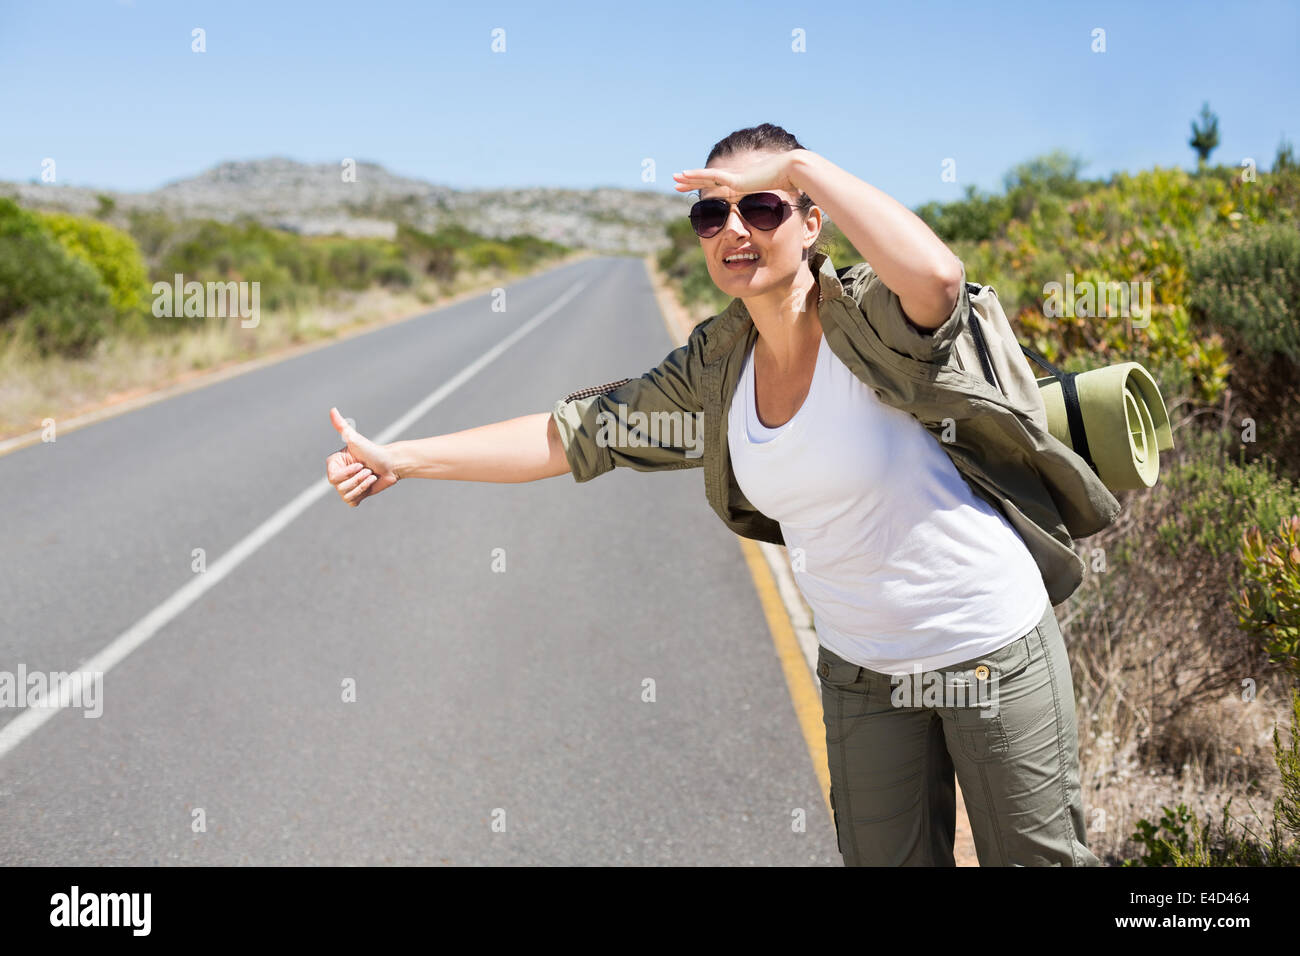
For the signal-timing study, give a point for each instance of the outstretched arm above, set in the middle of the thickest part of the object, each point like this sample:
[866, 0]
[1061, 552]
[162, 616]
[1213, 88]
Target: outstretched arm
[518, 449]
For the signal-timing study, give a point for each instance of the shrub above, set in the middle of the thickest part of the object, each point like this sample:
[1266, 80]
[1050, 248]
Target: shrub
[209, 251]
[431, 254]
[394, 274]
[1042, 182]
[1221, 498]
[1251, 283]
[972, 219]
[291, 269]
[357, 263]
[49, 299]
[109, 251]
[531, 249]
[491, 253]
[151, 230]
[1039, 186]
[1269, 604]
[1183, 360]
[1162, 850]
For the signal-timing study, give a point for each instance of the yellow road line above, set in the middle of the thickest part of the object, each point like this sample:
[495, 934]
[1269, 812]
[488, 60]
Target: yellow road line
[803, 693]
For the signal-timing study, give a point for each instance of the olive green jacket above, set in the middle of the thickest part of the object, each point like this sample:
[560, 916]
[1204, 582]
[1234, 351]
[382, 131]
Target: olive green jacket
[1000, 445]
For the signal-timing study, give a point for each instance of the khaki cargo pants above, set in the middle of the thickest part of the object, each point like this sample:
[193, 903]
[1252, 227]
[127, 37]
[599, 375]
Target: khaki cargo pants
[1004, 722]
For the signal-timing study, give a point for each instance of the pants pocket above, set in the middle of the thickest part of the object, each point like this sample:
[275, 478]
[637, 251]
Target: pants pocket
[981, 734]
[977, 689]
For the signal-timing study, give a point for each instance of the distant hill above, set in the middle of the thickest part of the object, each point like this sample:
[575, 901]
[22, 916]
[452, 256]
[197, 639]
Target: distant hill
[313, 199]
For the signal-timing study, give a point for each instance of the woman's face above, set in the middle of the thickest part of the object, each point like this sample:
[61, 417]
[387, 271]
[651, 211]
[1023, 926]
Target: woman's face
[780, 251]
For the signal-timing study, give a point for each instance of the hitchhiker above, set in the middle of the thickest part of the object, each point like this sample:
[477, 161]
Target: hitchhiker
[822, 415]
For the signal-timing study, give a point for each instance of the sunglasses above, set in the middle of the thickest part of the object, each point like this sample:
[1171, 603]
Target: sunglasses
[764, 211]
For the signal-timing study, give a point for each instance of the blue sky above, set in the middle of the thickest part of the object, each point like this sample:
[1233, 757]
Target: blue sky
[585, 91]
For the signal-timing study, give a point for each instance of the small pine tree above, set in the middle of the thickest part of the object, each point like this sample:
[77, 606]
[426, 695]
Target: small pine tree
[1205, 137]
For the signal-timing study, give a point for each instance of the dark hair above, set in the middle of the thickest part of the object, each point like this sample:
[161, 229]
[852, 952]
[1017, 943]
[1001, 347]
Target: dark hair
[771, 138]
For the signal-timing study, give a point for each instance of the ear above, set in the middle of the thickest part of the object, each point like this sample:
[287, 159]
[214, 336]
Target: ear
[812, 225]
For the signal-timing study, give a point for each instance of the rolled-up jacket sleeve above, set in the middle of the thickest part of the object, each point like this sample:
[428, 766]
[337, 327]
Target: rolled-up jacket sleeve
[884, 311]
[651, 423]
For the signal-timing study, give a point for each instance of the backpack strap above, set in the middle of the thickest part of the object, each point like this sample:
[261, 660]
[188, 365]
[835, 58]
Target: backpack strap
[977, 334]
[1073, 414]
[1069, 390]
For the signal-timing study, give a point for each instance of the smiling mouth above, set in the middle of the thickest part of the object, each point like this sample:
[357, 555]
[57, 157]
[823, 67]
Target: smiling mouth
[740, 260]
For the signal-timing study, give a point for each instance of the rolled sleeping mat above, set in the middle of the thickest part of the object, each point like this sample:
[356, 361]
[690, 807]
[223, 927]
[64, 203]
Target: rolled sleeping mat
[1114, 418]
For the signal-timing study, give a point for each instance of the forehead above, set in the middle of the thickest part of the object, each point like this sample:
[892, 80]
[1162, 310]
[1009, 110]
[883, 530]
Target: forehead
[731, 195]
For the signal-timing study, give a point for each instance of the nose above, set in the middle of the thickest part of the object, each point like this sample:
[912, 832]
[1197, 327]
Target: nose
[740, 228]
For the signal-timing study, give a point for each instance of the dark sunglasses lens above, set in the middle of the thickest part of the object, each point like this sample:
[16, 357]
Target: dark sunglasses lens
[762, 210]
[707, 217]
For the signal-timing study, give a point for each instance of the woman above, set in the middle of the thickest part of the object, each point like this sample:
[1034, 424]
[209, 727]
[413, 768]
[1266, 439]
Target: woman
[940, 651]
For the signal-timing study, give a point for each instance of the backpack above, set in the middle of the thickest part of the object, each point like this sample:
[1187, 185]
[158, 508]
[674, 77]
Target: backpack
[1114, 418]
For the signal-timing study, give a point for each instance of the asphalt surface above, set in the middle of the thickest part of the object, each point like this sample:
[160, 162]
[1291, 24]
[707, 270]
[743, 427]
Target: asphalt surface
[481, 696]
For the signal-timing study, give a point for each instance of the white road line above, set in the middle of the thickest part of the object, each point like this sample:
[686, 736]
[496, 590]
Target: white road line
[26, 723]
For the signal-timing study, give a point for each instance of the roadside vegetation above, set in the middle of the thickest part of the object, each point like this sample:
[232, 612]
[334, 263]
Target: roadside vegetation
[81, 321]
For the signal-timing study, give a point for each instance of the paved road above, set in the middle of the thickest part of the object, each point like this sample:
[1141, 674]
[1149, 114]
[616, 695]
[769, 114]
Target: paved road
[475, 690]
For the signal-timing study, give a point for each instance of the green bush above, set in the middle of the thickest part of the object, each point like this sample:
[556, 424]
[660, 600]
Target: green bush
[151, 229]
[973, 219]
[1039, 187]
[291, 269]
[356, 263]
[431, 254]
[530, 250]
[440, 253]
[1142, 227]
[394, 274]
[1166, 849]
[209, 251]
[1269, 604]
[1183, 359]
[839, 249]
[50, 299]
[491, 253]
[1251, 282]
[112, 253]
[67, 281]
[1221, 498]
[456, 236]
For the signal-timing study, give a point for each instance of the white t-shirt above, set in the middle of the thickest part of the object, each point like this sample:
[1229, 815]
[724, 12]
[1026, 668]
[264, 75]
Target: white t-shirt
[903, 564]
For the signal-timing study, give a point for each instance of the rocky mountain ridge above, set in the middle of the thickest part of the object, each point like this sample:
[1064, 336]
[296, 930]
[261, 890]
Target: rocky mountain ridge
[369, 200]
